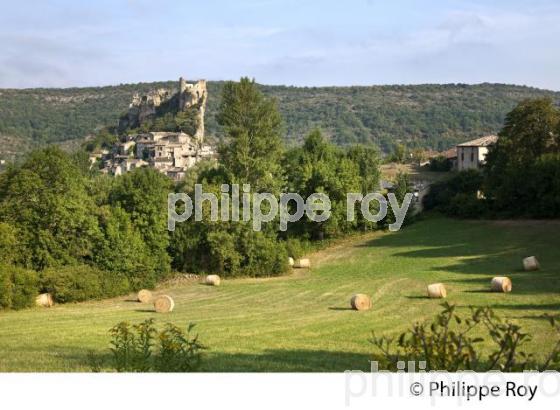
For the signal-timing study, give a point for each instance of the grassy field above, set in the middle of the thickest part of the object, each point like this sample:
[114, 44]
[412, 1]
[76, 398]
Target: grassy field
[302, 322]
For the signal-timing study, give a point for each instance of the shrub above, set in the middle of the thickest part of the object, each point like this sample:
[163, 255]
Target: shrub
[457, 196]
[123, 251]
[264, 255]
[534, 188]
[228, 249]
[25, 285]
[81, 282]
[439, 164]
[446, 344]
[295, 248]
[18, 287]
[466, 206]
[178, 351]
[133, 348]
[113, 284]
[5, 289]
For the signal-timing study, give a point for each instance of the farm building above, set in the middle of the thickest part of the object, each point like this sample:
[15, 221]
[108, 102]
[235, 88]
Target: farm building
[472, 154]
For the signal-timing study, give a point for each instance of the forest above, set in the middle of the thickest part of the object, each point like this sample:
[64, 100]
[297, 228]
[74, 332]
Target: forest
[418, 116]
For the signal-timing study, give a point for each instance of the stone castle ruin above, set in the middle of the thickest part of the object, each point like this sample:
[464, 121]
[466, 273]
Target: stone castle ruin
[171, 153]
[194, 94]
[189, 95]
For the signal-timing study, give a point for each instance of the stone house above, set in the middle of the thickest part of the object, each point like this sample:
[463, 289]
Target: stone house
[171, 153]
[472, 154]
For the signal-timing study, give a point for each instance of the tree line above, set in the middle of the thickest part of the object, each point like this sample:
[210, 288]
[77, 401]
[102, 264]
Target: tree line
[521, 177]
[78, 234]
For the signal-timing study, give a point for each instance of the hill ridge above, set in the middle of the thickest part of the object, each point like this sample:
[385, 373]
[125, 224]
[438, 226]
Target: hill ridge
[434, 116]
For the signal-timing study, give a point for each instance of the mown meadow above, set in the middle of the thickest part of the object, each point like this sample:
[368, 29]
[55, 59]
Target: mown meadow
[303, 321]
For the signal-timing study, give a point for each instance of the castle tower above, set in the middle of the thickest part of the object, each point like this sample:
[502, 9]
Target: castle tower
[200, 92]
[182, 92]
[191, 95]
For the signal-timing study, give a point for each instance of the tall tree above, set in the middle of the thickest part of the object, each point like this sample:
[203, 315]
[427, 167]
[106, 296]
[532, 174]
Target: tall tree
[253, 145]
[530, 130]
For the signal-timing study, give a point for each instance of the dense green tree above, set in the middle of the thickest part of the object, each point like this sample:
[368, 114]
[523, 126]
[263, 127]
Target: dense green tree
[142, 193]
[399, 153]
[8, 243]
[103, 139]
[187, 121]
[368, 160]
[321, 167]
[18, 287]
[123, 250]
[46, 198]
[521, 168]
[530, 131]
[226, 247]
[252, 126]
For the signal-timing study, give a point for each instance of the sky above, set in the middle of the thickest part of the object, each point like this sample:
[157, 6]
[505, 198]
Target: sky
[65, 43]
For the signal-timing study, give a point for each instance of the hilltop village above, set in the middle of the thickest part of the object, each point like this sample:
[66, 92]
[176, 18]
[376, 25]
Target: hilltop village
[171, 153]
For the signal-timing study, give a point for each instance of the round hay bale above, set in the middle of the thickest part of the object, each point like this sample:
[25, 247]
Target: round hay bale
[302, 263]
[531, 263]
[144, 296]
[360, 301]
[501, 284]
[44, 300]
[213, 280]
[437, 291]
[291, 261]
[164, 304]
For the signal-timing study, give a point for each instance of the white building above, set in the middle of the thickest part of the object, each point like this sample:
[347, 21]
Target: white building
[472, 154]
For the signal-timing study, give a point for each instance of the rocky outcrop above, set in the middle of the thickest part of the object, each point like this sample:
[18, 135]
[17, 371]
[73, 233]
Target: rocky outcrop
[189, 95]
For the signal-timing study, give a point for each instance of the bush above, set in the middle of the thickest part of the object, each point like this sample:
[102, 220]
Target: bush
[113, 284]
[25, 285]
[82, 282]
[439, 164]
[133, 348]
[458, 196]
[178, 351]
[5, 289]
[18, 287]
[295, 248]
[228, 249]
[466, 206]
[446, 344]
[123, 251]
[531, 191]
[264, 255]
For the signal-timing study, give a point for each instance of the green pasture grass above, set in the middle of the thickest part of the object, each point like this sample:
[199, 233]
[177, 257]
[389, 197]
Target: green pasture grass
[303, 321]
